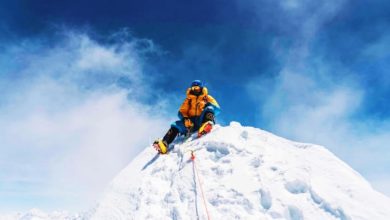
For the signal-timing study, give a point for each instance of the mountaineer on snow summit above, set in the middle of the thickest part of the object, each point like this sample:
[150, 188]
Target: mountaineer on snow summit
[197, 113]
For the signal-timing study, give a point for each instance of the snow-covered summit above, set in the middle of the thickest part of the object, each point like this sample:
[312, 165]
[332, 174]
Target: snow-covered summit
[243, 173]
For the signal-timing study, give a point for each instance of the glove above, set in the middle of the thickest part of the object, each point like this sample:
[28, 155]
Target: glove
[188, 123]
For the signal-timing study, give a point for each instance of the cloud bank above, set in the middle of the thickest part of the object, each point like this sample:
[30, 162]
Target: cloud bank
[73, 112]
[313, 99]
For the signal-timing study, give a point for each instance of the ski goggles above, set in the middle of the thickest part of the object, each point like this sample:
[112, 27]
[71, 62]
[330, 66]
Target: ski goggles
[195, 88]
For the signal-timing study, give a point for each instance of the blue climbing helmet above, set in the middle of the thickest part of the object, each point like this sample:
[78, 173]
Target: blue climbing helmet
[197, 83]
[196, 87]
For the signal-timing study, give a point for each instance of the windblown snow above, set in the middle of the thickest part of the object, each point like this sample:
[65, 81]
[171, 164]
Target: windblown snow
[244, 173]
[238, 173]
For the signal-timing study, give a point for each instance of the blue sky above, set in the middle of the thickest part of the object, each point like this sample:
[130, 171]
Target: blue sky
[84, 87]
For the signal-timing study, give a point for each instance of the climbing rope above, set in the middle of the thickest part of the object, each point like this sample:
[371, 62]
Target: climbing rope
[200, 183]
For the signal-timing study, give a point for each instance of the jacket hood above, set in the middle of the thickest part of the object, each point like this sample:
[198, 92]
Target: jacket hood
[204, 92]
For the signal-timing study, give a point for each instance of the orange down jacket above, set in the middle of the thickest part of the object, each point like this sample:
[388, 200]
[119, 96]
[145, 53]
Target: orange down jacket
[193, 105]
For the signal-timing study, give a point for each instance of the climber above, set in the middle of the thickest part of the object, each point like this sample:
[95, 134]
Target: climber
[197, 114]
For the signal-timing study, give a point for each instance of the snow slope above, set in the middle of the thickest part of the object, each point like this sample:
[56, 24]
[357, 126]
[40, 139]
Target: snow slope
[36, 214]
[245, 173]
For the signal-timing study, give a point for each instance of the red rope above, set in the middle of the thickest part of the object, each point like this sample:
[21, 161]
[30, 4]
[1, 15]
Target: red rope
[200, 183]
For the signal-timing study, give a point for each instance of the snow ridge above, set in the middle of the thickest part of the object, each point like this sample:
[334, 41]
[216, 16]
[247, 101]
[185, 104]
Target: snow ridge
[246, 173]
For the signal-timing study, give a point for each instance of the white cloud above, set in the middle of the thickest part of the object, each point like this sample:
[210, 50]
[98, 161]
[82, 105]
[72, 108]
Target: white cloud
[307, 102]
[65, 125]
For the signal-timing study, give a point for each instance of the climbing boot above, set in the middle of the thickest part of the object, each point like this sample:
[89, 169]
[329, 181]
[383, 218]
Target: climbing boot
[205, 128]
[161, 146]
